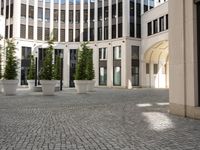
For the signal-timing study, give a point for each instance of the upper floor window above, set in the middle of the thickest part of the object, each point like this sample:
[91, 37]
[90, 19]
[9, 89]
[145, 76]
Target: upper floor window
[40, 13]
[56, 1]
[31, 12]
[102, 53]
[23, 10]
[117, 52]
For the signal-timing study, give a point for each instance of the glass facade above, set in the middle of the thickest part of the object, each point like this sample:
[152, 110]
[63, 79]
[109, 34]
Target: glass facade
[102, 66]
[117, 66]
[135, 65]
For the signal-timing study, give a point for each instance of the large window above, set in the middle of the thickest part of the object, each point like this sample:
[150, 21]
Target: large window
[30, 32]
[40, 13]
[25, 54]
[161, 24]
[47, 14]
[135, 65]
[71, 16]
[102, 54]
[31, 12]
[117, 76]
[100, 33]
[23, 31]
[102, 76]
[70, 35]
[62, 15]
[117, 66]
[56, 15]
[149, 28]
[155, 26]
[23, 10]
[117, 52]
[120, 9]
[39, 33]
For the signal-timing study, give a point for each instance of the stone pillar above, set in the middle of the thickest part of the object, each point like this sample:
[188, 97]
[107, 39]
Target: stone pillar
[183, 59]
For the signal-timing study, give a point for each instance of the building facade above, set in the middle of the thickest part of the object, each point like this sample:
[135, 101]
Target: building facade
[126, 37]
[184, 53]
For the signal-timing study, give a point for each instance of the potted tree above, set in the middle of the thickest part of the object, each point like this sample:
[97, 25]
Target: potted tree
[81, 75]
[31, 73]
[57, 71]
[10, 81]
[90, 71]
[46, 72]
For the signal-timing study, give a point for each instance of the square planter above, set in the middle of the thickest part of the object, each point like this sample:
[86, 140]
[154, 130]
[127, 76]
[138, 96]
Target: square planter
[48, 87]
[10, 86]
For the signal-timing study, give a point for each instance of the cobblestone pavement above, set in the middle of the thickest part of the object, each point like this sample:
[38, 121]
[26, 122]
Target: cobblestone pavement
[108, 119]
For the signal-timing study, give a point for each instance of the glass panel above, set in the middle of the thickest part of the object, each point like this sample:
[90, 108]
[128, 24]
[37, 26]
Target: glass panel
[117, 52]
[102, 76]
[117, 76]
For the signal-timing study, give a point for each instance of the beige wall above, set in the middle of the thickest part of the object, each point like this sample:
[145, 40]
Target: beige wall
[183, 57]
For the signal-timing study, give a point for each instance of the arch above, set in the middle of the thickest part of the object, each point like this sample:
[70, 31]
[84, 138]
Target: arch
[157, 56]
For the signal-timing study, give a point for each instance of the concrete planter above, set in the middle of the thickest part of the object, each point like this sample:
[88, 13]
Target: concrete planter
[81, 86]
[10, 87]
[48, 87]
[31, 84]
[90, 85]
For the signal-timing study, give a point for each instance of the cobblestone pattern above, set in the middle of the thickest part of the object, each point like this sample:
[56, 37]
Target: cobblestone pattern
[108, 119]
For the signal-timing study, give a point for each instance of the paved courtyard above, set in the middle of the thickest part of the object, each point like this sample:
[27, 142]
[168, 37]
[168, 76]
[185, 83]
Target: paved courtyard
[108, 119]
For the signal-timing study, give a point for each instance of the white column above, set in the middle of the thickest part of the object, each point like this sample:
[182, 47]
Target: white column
[117, 18]
[103, 20]
[35, 20]
[81, 19]
[16, 18]
[88, 20]
[27, 18]
[96, 20]
[67, 22]
[59, 21]
[110, 66]
[110, 19]
[124, 66]
[126, 18]
[66, 66]
[74, 22]
[51, 19]
[96, 64]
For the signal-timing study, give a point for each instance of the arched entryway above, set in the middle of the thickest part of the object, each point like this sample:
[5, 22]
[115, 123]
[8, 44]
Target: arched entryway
[156, 60]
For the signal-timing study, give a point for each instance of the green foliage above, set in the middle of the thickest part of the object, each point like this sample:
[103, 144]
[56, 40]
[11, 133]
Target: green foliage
[84, 69]
[82, 63]
[57, 68]
[46, 72]
[11, 66]
[90, 68]
[31, 72]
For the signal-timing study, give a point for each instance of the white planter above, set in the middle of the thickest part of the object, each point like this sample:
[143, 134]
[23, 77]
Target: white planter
[90, 86]
[81, 86]
[48, 87]
[10, 86]
[1, 87]
[31, 84]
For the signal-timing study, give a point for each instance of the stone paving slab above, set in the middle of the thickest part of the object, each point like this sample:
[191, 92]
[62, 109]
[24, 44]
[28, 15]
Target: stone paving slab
[108, 119]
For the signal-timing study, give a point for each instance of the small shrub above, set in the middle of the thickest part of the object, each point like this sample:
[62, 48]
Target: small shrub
[46, 72]
[31, 72]
[11, 66]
